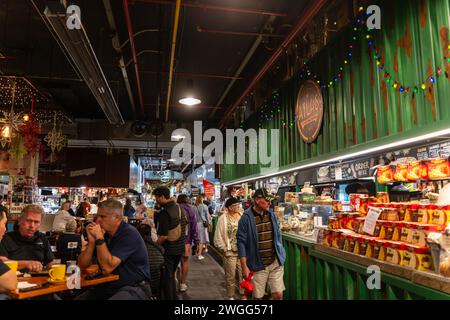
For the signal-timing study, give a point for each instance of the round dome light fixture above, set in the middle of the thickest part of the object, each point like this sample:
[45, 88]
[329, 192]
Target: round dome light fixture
[190, 101]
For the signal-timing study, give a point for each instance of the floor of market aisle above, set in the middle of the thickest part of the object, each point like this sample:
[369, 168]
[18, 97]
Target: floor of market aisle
[206, 280]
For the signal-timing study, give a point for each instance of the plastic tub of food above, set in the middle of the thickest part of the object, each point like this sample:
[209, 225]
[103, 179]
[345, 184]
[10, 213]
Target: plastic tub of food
[422, 259]
[395, 252]
[398, 226]
[412, 213]
[421, 233]
[387, 230]
[438, 216]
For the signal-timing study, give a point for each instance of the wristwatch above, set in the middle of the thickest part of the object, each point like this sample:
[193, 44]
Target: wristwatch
[99, 242]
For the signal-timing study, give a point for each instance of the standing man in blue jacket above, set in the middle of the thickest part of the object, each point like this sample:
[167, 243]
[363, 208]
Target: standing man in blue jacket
[260, 246]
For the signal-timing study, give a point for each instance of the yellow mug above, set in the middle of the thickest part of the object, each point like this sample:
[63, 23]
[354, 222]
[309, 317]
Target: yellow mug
[13, 265]
[57, 272]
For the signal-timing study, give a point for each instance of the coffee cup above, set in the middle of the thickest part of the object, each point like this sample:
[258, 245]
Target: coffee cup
[57, 272]
[13, 265]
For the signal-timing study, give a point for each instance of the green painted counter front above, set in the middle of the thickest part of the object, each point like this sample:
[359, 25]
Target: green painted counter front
[314, 275]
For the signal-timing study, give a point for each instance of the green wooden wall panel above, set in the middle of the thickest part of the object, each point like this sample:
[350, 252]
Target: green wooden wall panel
[362, 107]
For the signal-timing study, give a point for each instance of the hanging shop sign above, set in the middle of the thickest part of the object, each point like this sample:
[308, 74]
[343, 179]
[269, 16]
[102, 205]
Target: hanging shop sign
[309, 111]
[208, 188]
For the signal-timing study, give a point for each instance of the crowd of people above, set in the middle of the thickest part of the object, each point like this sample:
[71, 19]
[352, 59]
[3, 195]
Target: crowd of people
[146, 255]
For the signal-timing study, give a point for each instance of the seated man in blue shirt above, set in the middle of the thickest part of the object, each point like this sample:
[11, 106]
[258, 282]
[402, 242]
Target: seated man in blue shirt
[120, 250]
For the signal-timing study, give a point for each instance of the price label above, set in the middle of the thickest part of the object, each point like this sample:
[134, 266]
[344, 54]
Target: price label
[371, 220]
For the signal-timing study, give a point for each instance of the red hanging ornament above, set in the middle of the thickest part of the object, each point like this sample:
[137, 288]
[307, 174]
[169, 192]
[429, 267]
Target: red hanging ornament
[30, 131]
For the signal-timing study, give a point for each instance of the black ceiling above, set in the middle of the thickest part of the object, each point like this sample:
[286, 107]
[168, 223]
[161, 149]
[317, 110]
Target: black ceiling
[33, 52]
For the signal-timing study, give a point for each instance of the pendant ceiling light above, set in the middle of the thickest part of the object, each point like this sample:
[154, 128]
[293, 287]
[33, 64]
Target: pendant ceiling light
[189, 99]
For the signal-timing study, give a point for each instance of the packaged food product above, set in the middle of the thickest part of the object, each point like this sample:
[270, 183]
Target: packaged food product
[389, 214]
[337, 239]
[327, 238]
[385, 174]
[447, 214]
[401, 172]
[395, 252]
[438, 216]
[414, 171]
[337, 205]
[354, 200]
[398, 226]
[404, 234]
[421, 259]
[384, 245]
[291, 197]
[333, 223]
[364, 205]
[412, 226]
[408, 255]
[424, 170]
[350, 242]
[438, 168]
[421, 233]
[422, 214]
[377, 230]
[362, 243]
[371, 243]
[401, 210]
[377, 249]
[352, 221]
[412, 213]
[387, 230]
[383, 197]
[360, 225]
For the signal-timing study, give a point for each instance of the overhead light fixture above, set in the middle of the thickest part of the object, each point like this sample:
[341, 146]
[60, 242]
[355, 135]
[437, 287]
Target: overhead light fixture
[177, 137]
[383, 148]
[190, 101]
[78, 49]
[171, 160]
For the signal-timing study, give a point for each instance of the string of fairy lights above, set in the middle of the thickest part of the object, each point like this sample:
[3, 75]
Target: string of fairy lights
[270, 108]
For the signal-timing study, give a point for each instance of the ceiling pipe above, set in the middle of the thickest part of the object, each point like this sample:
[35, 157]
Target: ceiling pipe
[172, 56]
[136, 34]
[244, 63]
[115, 42]
[237, 33]
[206, 6]
[194, 75]
[303, 21]
[133, 53]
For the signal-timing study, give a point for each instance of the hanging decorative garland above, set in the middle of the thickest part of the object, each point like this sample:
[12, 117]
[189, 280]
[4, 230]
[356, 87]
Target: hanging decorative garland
[30, 131]
[360, 28]
[55, 139]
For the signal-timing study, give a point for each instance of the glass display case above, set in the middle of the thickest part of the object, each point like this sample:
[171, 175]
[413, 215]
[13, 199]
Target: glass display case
[302, 219]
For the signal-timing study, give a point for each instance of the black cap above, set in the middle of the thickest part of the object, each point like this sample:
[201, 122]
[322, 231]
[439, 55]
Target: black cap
[231, 201]
[263, 194]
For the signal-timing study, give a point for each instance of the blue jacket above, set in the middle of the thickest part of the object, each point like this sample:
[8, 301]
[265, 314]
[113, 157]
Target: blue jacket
[247, 240]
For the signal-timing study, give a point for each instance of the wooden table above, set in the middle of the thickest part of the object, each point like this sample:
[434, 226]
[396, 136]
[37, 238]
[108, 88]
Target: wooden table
[54, 288]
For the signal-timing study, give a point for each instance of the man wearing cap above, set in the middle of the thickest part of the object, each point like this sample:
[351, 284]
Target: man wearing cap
[260, 246]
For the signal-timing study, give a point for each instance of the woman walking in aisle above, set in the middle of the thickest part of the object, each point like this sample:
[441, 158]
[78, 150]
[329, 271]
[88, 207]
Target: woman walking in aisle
[191, 237]
[202, 223]
[225, 240]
